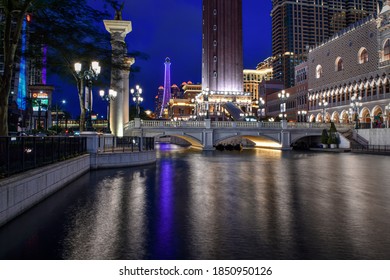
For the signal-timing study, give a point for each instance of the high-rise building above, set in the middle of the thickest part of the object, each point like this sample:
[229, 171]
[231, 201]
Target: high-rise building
[222, 57]
[298, 25]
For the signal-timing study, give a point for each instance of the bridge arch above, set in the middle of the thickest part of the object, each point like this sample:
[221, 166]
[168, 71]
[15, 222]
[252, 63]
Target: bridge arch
[193, 141]
[258, 140]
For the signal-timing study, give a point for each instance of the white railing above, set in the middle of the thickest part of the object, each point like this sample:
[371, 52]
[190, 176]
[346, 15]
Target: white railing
[152, 123]
[231, 124]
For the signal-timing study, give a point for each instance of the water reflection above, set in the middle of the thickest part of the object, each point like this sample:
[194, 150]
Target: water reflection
[254, 204]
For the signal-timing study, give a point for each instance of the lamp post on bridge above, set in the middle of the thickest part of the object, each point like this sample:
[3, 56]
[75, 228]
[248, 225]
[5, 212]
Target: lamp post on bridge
[355, 105]
[302, 116]
[261, 104]
[108, 97]
[323, 104]
[137, 98]
[88, 75]
[283, 96]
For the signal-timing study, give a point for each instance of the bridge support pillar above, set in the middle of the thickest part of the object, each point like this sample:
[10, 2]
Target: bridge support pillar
[207, 123]
[208, 140]
[285, 140]
[137, 122]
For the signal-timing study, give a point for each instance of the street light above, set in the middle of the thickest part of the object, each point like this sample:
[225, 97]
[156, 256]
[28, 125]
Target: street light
[88, 75]
[283, 96]
[62, 102]
[302, 116]
[356, 104]
[137, 98]
[108, 97]
[323, 104]
[261, 104]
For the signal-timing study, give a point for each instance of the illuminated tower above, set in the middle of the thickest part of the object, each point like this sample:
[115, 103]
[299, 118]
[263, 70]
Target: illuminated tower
[167, 86]
[222, 57]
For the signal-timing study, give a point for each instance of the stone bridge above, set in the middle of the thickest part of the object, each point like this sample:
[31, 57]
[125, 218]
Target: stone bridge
[207, 134]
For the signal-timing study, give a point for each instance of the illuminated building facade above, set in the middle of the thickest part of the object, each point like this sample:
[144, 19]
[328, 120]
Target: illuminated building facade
[298, 25]
[30, 98]
[352, 65]
[222, 58]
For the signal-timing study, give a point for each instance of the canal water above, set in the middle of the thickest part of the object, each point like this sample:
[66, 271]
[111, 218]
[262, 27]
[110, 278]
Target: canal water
[254, 204]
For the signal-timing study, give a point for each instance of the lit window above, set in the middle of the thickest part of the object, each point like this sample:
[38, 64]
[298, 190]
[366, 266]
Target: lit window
[386, 50]
[318, 71]
[339, 64]
[363, 56]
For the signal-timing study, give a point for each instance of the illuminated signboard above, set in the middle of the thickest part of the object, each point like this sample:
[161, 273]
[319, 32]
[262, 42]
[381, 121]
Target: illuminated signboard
[40, 99]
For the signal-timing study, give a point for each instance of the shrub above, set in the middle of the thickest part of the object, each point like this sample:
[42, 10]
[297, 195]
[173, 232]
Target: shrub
[324, 136]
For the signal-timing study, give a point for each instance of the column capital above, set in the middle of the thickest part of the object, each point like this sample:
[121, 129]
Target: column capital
[123, 27]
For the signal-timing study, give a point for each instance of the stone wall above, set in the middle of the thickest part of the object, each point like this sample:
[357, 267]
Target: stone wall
[380, 136]
[122, 159]
[22, 191]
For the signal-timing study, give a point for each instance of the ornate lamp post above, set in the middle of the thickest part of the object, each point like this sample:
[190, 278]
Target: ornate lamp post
[302, 116]
[283, 96]
[137, 98]
[323, 104]
[108, 97]
[206, 100]
[88, 75]
[261, 104]
[355, 105]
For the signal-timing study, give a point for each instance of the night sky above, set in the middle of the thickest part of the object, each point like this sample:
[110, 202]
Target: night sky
[173, 28]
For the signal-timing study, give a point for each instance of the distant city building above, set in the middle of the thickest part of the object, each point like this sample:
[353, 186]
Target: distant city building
[182, 107]
[253, 78]
[298, 25]
[30, 98]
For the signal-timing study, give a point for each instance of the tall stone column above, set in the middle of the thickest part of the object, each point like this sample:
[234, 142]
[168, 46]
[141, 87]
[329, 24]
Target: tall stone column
[120, 71]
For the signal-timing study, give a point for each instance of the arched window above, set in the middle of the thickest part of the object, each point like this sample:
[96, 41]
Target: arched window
[363, 56]
[318, 71]
[339, 64]
[386, 50]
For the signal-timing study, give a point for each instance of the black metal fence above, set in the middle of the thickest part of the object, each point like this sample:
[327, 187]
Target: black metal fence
[126, 144]
[379, 149]
[18, 154]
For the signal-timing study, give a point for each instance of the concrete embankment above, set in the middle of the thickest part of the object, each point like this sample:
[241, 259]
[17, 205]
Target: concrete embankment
[20, 192]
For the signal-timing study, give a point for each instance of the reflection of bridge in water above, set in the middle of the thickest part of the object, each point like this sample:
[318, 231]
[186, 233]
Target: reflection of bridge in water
[207, 134]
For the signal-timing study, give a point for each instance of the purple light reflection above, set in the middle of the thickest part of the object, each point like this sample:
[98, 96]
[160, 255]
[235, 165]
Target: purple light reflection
[164, 246]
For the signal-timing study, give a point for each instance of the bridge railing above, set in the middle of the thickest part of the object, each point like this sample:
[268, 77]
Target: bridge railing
[231, 124]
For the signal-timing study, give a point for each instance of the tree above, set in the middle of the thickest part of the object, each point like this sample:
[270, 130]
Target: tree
[14, 13]
[71, 30]
[324, 136]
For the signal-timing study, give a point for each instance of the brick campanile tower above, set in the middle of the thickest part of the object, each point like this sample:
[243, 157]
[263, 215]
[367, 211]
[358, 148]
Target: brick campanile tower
[222, 56]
